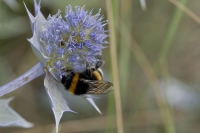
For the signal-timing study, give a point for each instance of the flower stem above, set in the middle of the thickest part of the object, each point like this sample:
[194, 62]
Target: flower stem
[31, 74]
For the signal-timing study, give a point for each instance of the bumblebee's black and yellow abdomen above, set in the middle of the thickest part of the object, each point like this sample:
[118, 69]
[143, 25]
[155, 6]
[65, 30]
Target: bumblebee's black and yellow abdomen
[76, 86]
[74, 83]
[81, 88]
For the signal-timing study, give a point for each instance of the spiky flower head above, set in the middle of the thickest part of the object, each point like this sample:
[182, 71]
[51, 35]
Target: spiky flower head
[72, 40]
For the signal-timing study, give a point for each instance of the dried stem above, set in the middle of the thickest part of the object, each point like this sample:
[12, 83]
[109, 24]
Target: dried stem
[152, 79]
[171, 32]
[113, 51]
[186, 10]
[33, 73]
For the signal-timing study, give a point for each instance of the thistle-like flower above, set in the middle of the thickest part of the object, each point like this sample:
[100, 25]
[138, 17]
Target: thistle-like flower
[69, 41]
[73, 42]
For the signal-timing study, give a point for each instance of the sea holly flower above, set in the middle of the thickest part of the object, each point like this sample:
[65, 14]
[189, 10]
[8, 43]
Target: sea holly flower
[61, 43]
[69, 41]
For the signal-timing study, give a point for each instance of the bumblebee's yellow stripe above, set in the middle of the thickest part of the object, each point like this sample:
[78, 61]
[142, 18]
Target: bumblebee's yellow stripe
[97, 75]
[74, 82]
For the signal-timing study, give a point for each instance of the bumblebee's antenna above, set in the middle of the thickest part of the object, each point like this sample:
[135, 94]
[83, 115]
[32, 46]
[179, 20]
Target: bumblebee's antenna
[99, 62]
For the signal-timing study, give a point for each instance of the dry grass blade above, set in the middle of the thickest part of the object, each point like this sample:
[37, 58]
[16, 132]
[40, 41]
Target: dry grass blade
[152, 78]
[186, 10]
[115, 73]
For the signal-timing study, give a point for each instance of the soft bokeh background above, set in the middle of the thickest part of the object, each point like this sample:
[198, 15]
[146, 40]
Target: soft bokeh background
[158, 54]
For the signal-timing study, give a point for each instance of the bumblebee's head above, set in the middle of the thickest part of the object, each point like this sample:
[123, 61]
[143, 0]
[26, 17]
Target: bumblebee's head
[67, 78]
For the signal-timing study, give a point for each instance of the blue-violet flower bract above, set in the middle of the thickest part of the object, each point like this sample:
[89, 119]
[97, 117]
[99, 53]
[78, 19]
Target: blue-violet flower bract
[72, 40]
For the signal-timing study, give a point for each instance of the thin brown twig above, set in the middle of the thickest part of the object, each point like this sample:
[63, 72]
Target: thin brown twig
[113, 51]
[186, 10]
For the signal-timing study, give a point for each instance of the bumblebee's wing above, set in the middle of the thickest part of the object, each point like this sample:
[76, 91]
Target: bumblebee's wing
[99, 87]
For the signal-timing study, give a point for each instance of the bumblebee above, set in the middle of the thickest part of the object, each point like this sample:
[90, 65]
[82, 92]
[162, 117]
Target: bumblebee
[88, 82]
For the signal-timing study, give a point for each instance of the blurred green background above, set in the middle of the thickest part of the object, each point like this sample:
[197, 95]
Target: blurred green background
[158, 59]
